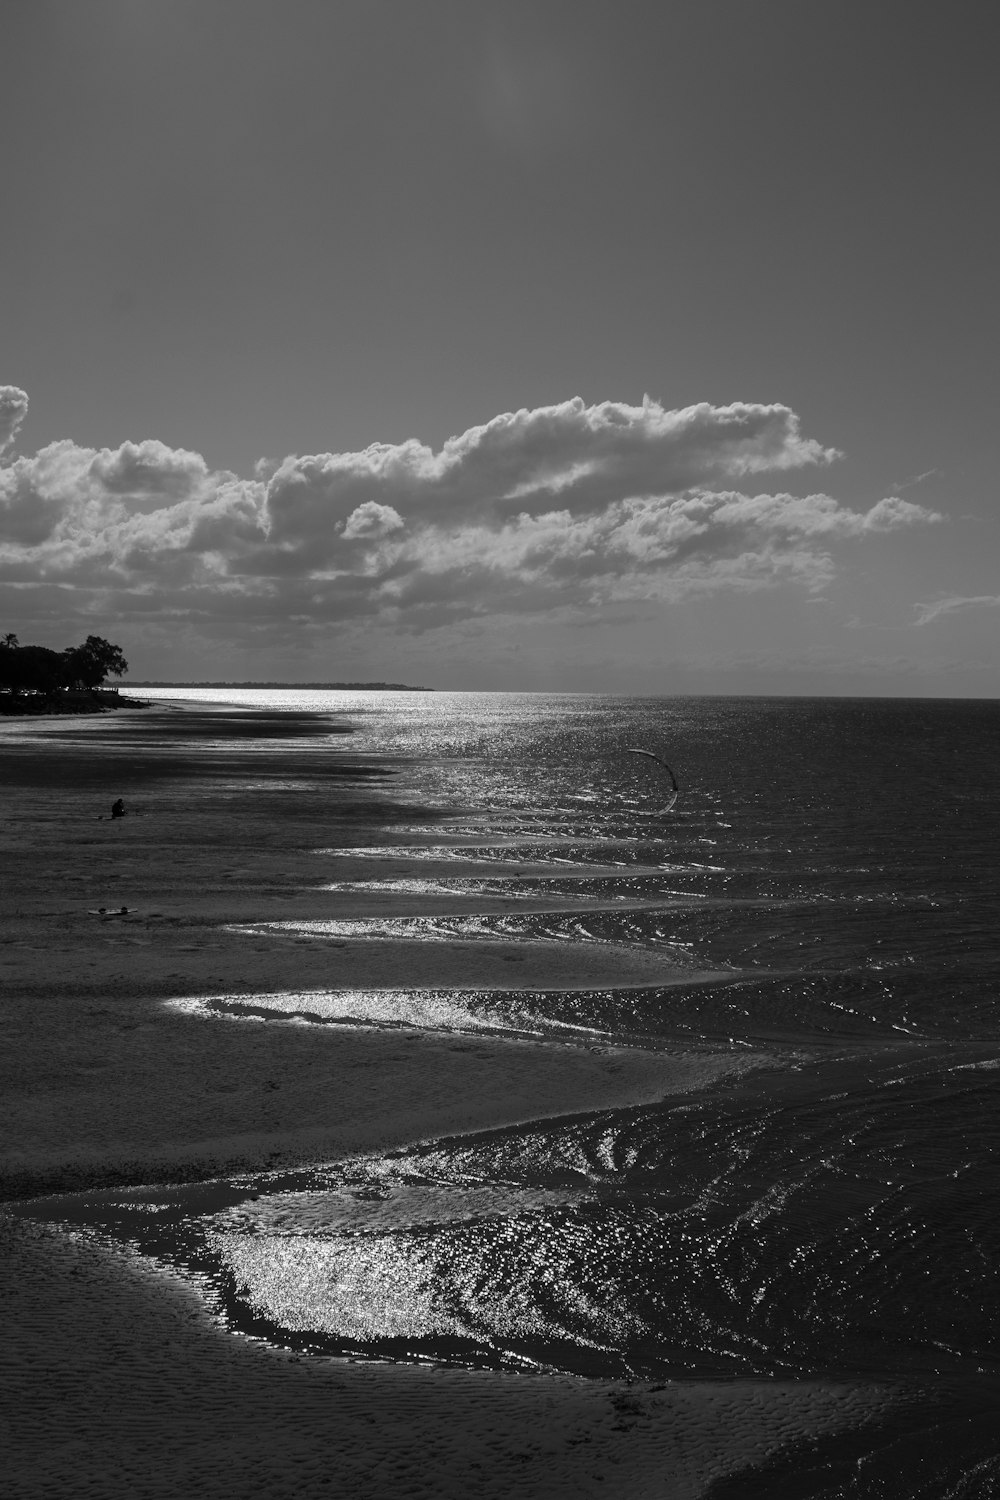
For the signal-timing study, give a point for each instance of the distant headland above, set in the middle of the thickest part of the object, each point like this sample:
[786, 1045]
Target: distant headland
[394, 687]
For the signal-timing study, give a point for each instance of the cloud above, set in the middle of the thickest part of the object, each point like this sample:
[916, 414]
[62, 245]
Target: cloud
[13, 410]
[909, 484]
[949, 606]
[521, 461]
[371, 520]
[565, 508]
[149, 471]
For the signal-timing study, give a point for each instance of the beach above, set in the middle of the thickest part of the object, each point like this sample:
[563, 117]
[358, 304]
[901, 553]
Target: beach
[88, 993]
[196, 991]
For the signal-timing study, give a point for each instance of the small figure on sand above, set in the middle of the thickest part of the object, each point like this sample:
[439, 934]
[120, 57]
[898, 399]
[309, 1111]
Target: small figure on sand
[118, 809]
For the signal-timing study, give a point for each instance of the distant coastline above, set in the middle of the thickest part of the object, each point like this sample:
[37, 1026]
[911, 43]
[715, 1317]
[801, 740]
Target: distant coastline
[398, 687]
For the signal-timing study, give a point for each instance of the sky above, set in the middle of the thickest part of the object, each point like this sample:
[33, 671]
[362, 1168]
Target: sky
[483, 344]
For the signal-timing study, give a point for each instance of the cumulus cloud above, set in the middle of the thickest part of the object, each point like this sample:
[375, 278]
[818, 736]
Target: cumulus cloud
[13, 410]
[559, 508]
[519, 462]
[149, 471]
[951, 605]
[371, 520]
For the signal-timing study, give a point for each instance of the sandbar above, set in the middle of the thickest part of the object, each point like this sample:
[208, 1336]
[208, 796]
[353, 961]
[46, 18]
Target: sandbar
[117, 1380]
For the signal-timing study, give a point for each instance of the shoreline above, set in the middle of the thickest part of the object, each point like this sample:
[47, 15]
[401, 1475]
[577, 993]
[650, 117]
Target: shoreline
[109, 1085]
[78, 705]
[94, 997]
[126, 1386]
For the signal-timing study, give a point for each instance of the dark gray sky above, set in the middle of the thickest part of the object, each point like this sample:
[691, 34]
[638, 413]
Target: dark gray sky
[255, 229]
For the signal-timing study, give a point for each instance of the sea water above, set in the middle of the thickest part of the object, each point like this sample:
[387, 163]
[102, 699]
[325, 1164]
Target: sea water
[832, 1213]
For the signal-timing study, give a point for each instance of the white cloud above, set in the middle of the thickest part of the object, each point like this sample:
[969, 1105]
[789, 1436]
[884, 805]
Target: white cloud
[518, 462]
[909, 484]
[371, 520]
[949, 606]
[150, 470]
[13, 410]
[563, 508]
[819, 515]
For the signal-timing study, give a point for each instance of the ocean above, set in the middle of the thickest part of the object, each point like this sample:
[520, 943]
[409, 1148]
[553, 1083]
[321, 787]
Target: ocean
[828, 1213]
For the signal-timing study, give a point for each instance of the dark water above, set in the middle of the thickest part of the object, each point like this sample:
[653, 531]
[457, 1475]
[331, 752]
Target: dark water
[833, 1213]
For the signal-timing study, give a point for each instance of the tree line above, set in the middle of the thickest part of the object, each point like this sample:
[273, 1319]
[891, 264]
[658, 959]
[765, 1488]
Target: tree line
[37, 669]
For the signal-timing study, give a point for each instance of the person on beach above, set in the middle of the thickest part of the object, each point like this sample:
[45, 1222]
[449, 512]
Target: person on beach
[118, 809]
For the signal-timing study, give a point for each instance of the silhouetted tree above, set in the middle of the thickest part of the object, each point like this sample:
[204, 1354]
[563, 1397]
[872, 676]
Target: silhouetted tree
[88, 665]
[36, 669]
[30, 669]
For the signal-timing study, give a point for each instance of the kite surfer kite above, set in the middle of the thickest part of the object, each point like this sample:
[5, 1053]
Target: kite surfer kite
[675, 789]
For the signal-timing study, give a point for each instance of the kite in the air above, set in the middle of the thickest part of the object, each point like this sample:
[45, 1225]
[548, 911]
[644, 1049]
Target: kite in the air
[630, 750]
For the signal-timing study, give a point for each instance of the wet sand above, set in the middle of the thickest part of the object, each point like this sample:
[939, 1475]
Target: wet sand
[117, 1384]
[116, 1379]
